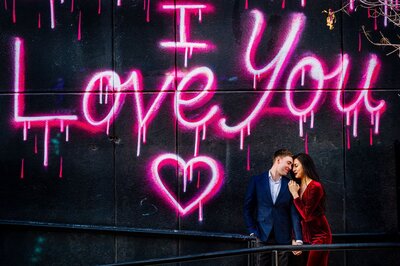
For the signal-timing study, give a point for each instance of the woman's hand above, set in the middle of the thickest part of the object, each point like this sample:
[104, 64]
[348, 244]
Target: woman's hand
[294, 188]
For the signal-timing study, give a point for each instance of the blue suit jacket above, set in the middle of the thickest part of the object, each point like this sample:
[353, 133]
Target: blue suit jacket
[262, 215]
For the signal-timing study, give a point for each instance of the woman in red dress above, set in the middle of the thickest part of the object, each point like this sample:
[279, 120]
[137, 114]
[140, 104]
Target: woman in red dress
[309, 199]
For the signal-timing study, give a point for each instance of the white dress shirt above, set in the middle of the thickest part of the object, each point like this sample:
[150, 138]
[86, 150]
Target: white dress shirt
[275, 186]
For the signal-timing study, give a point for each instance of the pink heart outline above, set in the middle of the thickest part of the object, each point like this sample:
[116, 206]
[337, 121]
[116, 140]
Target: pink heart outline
[210, 190]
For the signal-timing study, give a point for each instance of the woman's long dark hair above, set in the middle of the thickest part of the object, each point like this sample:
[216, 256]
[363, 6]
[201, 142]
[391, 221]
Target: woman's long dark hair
[310, 170]
[308, 166]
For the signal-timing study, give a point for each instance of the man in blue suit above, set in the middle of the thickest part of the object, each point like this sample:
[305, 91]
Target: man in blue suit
[269, 212]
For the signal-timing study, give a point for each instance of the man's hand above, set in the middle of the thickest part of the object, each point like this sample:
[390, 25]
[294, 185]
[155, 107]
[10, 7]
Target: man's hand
[297, 252]
[255, 237]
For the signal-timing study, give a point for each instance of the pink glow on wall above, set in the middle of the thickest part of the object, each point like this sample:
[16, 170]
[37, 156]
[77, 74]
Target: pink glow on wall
[371, 141]
[60, 172]
[99, 7]
[108, 78]
[80, 26]
[67, 134]
[196, 99]
[46, 144]
[204, 131]
[22, 169]
[351, 7]
[198, 179]
[355, 122]
[35, 150]
[348, 140]
[296, 26]
[186, 102]
[200, 211]
[52, 17]
[369, 80]
[385, 13]
[184, 44]
[25, 132]
[276, 65]
[199, 99]
[363, 96]
[186, 168]
[14, 12]
[308, 70]
[340, 72]
[207, 114]
[19, 102]
[143, 117]
[146, 7]
[241, 139]
[248, 158]
[39, 21]
[196, 142]
[314, 67]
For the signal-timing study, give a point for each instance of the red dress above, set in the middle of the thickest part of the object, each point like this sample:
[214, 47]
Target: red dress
[314, 224]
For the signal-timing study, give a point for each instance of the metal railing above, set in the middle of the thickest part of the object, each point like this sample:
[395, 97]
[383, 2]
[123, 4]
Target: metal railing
[273, 249]
[124, 230]
[380, 240]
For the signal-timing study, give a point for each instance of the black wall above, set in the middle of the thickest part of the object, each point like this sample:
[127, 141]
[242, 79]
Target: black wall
[96, 178]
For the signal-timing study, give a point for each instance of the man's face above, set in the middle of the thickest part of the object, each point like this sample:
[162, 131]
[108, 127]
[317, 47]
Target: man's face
[284, 164]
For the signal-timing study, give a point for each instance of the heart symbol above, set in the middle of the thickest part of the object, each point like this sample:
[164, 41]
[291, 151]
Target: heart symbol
[174, 160]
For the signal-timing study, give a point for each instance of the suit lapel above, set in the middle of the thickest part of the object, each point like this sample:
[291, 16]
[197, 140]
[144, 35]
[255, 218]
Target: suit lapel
[283, 190]
[265, 183]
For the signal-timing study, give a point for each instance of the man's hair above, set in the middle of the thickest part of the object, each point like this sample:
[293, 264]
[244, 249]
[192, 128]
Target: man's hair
[281, 153]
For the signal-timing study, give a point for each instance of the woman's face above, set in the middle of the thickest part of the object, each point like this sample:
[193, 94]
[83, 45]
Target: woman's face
[298, 169]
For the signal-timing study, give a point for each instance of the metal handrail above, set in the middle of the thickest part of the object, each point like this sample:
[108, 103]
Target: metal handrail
[245, 251]
[170, 232]
[143, 232]
[126, 230]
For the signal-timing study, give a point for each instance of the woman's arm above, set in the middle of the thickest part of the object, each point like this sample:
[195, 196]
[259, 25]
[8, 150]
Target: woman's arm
[311, 199]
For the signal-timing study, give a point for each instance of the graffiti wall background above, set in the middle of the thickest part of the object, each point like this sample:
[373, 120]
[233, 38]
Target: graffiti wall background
[155, 114]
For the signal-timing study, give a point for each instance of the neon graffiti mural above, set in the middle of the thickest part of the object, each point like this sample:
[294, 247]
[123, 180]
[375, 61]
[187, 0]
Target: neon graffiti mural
[184, 43]
[187, 168]
[309, 70]
[19, 103]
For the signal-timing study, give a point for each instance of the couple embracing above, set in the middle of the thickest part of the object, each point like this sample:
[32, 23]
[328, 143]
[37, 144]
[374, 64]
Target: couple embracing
[280, 211]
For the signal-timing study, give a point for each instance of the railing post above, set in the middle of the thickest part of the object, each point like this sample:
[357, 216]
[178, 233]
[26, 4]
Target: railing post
[252, 259]
[274, 255]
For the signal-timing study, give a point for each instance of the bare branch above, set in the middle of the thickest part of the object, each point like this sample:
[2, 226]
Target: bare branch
[389, 10]
[384, 42]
